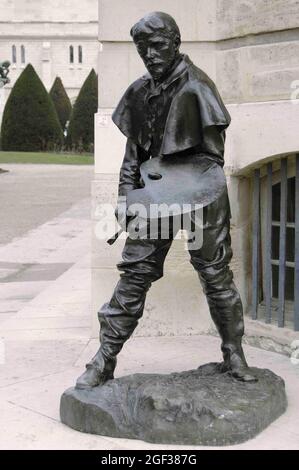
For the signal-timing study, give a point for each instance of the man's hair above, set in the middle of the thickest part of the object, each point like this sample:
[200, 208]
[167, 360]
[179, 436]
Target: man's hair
[156, 22]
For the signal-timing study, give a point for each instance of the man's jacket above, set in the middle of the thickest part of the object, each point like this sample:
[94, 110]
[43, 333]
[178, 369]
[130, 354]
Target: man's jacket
[183, 115]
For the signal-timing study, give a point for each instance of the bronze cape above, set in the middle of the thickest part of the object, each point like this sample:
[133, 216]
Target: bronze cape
[195, 108]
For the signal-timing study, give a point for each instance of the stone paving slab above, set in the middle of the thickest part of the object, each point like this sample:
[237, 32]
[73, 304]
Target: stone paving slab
[36, 272]
[27, 430]
[55, 241]
[52, 334]
[29, 264]
[40, 395]
[38, 310]
[15, 295]
[49, 189]
[17, 291]
[26, 360]
[45, 323]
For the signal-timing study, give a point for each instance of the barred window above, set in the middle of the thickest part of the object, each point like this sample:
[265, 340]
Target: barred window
[289, 239]
[275, 247]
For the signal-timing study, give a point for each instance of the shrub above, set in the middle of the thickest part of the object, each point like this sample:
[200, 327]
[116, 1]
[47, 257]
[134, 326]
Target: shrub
[61, 102]
[81, 127]
[30, 122]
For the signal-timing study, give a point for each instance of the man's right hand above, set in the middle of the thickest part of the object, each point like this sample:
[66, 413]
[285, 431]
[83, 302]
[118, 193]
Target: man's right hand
[121, 215]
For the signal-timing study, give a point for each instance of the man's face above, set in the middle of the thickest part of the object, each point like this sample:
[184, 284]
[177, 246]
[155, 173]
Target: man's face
[158, 54]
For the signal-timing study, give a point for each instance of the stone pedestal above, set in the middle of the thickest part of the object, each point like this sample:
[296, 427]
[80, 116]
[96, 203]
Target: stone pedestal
[197, 407]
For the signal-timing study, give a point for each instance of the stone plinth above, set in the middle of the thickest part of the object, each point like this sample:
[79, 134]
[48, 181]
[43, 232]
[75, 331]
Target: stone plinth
[197, 407]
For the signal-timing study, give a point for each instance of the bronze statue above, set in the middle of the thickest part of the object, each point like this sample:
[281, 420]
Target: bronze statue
[4, 69]
[174, 114]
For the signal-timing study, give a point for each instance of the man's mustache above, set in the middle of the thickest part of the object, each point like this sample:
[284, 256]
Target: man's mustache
[150, 63]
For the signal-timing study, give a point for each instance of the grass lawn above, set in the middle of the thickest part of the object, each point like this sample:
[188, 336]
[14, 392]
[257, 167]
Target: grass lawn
[40, 157]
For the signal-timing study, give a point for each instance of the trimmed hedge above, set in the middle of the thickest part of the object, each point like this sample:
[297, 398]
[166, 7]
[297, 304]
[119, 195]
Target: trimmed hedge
[61, 102]
[81, 127]
[30, 122]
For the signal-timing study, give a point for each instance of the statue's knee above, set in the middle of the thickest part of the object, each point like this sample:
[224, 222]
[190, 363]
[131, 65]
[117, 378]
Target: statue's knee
[212, 260]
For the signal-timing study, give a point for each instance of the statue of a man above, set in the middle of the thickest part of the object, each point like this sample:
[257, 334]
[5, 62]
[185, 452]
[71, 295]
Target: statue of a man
[173, 111]
[4, 69]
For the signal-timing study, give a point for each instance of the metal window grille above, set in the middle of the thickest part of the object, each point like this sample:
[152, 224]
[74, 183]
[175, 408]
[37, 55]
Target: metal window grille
[275, 282]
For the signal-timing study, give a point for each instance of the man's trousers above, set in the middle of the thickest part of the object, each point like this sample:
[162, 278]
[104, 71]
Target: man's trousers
[142, 264]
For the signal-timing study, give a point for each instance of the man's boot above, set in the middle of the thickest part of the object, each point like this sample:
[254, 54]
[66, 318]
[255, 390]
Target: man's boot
[113, 334]
[235, 362]
[98, 371]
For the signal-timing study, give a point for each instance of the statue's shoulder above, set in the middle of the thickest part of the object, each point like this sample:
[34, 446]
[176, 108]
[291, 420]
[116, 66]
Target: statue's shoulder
[129, 113]
[137, 88]
[199, 84]
[199, 80]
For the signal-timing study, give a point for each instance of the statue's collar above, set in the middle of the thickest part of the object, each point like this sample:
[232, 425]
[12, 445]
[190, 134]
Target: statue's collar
[178, 71]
